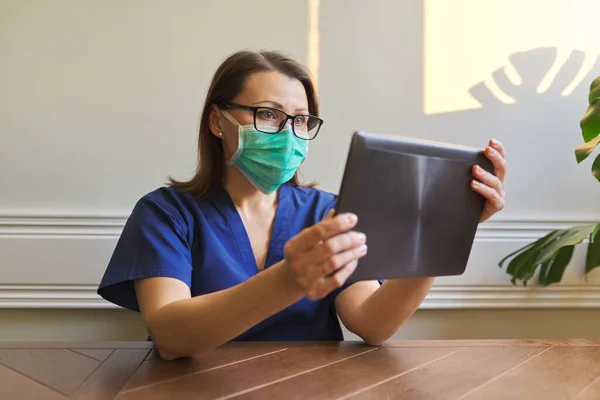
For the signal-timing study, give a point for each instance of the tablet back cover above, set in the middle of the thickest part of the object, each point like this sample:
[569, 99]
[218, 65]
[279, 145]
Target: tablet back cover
[415, 204]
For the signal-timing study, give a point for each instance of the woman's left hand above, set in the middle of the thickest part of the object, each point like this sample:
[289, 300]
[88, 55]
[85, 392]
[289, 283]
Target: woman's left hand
[491, 186]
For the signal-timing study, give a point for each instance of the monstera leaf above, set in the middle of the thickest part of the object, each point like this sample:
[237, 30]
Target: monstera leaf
[593, 254]
[552, 253]
[590, 129]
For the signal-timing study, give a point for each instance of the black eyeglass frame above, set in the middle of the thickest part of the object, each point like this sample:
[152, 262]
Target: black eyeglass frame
[282, 125]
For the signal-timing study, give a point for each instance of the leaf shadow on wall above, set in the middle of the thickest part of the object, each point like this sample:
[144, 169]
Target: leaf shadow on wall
[546, 123]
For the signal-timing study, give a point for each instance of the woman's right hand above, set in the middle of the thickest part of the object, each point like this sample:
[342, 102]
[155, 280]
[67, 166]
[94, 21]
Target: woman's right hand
[322, 257]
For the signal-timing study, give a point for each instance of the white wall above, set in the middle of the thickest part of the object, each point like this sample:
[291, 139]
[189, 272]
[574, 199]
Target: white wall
[100, 103]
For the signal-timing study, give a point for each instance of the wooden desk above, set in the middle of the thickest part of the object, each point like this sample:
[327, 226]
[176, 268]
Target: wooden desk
[499, 369]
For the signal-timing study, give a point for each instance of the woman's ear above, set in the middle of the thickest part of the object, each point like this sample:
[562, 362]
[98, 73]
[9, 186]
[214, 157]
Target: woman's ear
[215, 122]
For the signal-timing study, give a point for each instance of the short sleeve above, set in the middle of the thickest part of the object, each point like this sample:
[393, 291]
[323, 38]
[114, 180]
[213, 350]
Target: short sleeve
[329, 204]
[154, 243]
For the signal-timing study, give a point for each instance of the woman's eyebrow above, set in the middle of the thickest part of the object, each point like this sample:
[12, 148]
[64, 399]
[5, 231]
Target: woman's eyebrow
[277, 105]
[273, 103]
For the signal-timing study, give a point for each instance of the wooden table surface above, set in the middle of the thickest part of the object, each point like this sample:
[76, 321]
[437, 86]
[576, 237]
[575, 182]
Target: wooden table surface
[475, 369]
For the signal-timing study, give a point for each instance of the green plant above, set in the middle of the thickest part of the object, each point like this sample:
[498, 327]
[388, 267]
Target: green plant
[552, 253]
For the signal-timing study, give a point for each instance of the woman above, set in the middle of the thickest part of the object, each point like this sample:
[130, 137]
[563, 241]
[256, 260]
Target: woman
[243, 251]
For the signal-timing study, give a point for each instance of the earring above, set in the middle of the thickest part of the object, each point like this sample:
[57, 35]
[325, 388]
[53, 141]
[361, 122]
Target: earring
[220, 134]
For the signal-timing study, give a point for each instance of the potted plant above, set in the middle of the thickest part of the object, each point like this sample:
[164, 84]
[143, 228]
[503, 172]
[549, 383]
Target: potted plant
[552, 253]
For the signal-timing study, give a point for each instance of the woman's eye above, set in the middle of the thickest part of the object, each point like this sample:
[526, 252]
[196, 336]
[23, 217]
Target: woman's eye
[299, 121]
[268, 115]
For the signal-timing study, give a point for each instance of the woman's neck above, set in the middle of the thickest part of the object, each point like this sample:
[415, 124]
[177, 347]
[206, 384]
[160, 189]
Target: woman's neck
[244, 194]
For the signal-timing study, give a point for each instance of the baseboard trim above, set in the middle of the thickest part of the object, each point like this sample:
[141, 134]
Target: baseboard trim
[440, 297]
[98, 225]
[51, 296]
[104, 226]
[512, 297]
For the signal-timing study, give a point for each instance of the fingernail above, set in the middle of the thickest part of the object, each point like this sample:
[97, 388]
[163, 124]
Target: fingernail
[352, 218]
[361, 237]
[363, 249]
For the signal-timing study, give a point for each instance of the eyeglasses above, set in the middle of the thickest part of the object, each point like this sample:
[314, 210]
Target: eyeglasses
[273, 120]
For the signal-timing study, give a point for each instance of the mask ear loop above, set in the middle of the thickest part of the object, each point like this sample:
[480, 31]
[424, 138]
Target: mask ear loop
[240, 147]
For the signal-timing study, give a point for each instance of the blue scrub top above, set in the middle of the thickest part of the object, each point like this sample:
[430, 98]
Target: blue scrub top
[204, 244]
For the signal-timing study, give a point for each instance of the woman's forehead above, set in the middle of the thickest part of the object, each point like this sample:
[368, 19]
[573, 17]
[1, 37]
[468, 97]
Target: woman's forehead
[275, 87]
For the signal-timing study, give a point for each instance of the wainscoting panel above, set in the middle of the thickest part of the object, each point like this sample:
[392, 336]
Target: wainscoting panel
[56, 261]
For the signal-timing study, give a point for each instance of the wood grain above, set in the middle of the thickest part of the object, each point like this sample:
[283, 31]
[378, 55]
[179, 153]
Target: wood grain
[492, 343]
[108, 380]
[456, 369]
[559, 373]
[590, 392]
[234, 378]
[391, 343]
[76, 345]
[15, 386]
[155, 370]
[452, 376]
[96, 354]
[61, 370]
[350, 375]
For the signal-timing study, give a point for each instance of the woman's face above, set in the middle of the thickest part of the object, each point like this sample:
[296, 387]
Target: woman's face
[269, 89]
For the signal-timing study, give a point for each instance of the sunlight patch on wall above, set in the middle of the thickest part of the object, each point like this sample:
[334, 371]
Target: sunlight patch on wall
[523, 43]
[313, 40]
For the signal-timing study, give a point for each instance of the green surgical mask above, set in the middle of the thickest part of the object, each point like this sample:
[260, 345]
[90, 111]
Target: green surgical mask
[268, 160]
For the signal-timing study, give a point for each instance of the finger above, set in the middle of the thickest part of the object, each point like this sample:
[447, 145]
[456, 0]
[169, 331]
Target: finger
[327, 285]
[493, 197]
[496, 144]
[330, 214]
[326, 258]
[335, 262]
[332, 254]
[489, 179]
[335, 245]
[498, 162]
[310, 237]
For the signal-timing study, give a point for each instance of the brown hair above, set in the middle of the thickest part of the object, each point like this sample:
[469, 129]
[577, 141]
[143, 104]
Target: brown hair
[227, 83]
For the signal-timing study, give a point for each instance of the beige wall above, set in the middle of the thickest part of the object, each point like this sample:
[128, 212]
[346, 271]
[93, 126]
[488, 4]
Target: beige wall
[16, 325]
[100, 103]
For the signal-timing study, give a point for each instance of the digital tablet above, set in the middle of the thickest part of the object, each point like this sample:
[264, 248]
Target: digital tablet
[414, 201]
